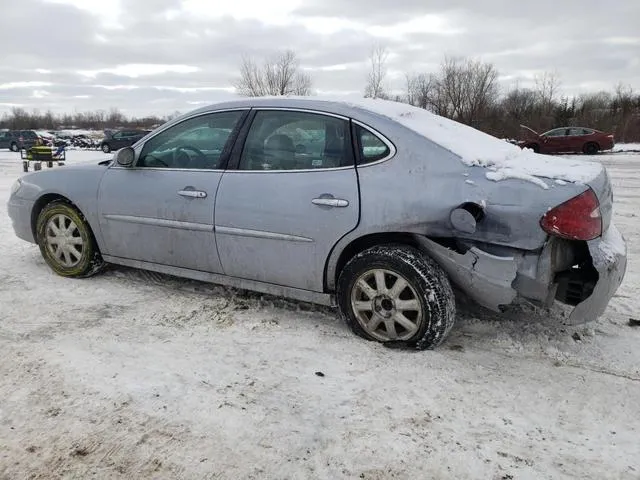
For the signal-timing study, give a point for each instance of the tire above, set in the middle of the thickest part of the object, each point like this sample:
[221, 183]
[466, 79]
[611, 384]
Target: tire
[14, 147]
[105, 148]
[81, 257]
[428, 299]
[591, 148]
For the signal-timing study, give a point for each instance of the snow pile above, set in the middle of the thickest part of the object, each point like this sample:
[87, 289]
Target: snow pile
[626, 147]
[475, 148]
[74, 132]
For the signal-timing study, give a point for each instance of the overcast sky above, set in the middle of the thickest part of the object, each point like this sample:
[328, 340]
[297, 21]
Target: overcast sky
[159, 56]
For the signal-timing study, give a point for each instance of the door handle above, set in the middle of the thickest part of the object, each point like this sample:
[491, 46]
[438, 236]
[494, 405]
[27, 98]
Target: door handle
[330, 202]
[192, 193]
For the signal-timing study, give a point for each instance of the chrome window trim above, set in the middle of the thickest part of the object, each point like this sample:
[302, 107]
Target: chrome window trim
[168, 169]
[302, 110]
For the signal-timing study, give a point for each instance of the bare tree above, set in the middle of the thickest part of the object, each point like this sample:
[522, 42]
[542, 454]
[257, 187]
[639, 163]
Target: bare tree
[420, 89]
[278, 75]
[466, 89]
[519, 104]
[547, 88]
[375, 82]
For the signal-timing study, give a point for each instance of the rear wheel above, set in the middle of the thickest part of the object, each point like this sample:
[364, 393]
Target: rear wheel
[14, 147]
[591, 148]
[66, 241]
[106, 148]
[395, 294]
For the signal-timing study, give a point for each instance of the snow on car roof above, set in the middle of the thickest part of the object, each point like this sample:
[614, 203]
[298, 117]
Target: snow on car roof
[475, 148]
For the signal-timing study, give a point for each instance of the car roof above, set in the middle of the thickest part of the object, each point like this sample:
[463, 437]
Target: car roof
[333, 105]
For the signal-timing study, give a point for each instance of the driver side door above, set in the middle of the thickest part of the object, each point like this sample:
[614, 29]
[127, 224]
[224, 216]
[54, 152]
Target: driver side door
[161, 209]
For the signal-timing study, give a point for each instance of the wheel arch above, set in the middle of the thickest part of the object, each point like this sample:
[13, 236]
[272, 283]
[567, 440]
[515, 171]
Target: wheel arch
[45, 200]
[337, 260]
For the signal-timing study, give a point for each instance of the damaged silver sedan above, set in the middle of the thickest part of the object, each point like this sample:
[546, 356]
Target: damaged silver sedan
[376, 207]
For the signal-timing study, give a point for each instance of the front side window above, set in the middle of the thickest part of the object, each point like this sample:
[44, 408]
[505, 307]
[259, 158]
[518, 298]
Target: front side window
[196, 143]
[289, 140]
[371, 147]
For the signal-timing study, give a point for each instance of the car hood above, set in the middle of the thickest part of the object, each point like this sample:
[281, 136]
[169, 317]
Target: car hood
[529, 131]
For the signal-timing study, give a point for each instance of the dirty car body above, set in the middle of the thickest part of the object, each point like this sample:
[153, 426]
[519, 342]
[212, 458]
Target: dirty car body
[286, 222]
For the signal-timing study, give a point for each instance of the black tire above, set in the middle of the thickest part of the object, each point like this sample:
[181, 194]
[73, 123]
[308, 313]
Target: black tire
[591, 148]
[89, 262]
[105, 148]
[426, 280]
[14, 147]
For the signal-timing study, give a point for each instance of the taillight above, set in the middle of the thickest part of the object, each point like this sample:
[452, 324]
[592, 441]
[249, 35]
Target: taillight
[576, 219]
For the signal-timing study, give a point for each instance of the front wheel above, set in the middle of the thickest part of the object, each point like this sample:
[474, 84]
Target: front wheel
[106, 148]
[14, 147]
[66, 241]
[395, 294]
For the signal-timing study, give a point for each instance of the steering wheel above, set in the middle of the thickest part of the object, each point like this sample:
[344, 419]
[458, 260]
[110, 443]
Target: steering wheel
[181, 151]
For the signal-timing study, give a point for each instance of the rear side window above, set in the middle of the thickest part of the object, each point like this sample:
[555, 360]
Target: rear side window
[292, 140]
[371, 147]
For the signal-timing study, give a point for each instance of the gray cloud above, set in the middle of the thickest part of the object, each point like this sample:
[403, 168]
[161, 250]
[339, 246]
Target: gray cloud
[44, 53]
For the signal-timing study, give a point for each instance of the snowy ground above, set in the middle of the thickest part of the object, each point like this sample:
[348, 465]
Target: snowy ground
[137, 375]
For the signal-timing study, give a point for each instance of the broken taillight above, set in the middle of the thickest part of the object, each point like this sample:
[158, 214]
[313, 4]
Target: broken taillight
[576, 219]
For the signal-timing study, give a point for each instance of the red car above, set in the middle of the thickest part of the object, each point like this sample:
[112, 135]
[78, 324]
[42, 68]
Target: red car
[567, 139]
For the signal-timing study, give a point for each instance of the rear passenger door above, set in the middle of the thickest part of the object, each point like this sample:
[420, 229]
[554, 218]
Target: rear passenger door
[290, 194]
[576, 139]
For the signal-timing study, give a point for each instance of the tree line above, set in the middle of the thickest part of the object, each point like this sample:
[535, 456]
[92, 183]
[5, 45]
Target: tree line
[463, 89]
[21, 119]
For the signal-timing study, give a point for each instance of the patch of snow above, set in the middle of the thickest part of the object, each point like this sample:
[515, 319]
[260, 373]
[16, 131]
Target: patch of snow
[138, 375]
[560, 182]
[507, 172]
[626, 147]
[470, 182]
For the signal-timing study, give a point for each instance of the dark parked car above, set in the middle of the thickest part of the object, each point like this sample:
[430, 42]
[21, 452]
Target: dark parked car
[567, 139]
[14, 140]
[121, 139]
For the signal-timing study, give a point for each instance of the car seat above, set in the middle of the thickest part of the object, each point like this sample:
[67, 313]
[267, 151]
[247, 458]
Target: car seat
[280, 152]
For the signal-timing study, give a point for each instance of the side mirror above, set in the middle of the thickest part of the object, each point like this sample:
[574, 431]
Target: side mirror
[125, 156]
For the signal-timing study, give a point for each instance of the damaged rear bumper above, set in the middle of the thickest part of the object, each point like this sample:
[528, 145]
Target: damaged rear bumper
[495, 280]
[609, 256]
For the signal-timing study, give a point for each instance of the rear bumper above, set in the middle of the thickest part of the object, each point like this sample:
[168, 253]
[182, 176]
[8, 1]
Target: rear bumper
[19, 211]
[609, 256]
